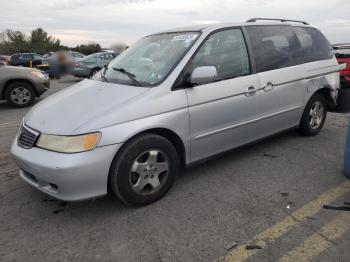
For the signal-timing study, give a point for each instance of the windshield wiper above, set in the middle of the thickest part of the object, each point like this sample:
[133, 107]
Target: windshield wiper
[128, 74]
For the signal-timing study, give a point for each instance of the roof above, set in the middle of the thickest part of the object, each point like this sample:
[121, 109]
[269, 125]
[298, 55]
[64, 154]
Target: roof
[223, 25]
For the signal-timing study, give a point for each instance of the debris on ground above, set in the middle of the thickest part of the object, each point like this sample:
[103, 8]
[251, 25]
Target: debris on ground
[49, 200]
[340, 208]
[58, 211]
[251, 247]
[314, 218]
[231, 245]
[63, 204]
[270, 155]
[285, 194]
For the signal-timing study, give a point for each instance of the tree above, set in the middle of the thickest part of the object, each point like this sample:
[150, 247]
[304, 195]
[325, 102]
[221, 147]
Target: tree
[88, 49]
[41, 42]
[15, 42]
[38, 42]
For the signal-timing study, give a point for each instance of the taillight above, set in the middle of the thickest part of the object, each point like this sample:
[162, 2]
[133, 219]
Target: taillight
[77, 64]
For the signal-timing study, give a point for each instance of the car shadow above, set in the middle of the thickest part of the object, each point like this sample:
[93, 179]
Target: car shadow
[68, 79]
[6, 106]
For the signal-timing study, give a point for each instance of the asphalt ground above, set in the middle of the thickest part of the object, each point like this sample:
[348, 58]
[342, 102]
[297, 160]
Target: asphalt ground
[262, 202]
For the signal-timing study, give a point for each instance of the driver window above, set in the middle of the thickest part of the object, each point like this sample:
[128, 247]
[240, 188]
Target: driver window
[226, 51]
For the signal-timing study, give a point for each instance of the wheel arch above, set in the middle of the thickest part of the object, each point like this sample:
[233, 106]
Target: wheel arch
[16, 80]
[166, 133]
[325, 91]
[173, 138]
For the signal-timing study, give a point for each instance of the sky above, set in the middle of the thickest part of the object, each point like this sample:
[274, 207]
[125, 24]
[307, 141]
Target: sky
[112, 21]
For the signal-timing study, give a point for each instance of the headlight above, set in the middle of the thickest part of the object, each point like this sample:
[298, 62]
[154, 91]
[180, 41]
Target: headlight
[37, 74]
[69, 144]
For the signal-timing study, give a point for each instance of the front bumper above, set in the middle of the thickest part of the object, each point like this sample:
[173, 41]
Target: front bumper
[68, 177]
[42, 85]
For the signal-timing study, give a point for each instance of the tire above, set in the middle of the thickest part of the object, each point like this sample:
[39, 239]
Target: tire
[314, 116]
[20, 94]
[134, 170]
[93, 71]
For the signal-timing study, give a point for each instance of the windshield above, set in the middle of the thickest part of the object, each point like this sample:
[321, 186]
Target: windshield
[90, 58]
[150, 60]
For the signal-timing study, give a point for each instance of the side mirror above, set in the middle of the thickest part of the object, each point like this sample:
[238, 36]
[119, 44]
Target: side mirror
[203, 75]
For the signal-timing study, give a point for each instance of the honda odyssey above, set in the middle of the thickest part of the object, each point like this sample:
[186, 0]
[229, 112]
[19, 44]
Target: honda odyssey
[176, 98]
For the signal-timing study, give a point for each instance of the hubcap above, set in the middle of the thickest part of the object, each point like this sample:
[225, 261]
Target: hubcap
[149, 172]
[20, 95]
[316, 115]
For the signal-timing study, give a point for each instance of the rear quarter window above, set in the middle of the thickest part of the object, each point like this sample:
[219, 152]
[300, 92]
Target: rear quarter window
[273, 46]
[77, 55]
[314, 45]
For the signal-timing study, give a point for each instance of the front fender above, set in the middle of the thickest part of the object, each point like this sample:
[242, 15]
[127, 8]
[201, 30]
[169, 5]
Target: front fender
[176, 121]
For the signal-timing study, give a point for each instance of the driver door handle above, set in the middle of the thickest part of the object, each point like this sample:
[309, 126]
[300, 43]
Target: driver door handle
[250, 91]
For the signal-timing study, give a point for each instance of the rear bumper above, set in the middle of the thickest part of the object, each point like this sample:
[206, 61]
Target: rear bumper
[68, 177]
[81, 71]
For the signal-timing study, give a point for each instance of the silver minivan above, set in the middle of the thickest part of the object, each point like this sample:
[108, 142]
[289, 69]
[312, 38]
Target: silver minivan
[173, 99]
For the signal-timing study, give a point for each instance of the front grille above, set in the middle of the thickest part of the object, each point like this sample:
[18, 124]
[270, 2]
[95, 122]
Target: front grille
[27, 137]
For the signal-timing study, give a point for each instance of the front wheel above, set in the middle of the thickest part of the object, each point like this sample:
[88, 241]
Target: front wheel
[314, 115]
[20, 94]
[144, 170]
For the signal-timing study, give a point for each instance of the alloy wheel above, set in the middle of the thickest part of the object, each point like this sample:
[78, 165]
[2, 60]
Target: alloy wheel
[316, 115]
[149, 172]
[20, 95]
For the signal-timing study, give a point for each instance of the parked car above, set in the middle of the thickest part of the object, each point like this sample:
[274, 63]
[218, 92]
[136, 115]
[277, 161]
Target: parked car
[176, 98]
[25, 59]
[20, 85]
[346, 163]
[4, 59]
[91, 64]
[342, 53]
[72, 57]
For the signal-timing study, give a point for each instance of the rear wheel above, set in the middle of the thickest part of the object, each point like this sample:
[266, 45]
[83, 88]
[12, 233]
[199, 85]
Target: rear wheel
[314, 115]
[144, 170]
[20, 94]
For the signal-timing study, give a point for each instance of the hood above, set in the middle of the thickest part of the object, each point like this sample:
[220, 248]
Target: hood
[70, 111]
[19, 69]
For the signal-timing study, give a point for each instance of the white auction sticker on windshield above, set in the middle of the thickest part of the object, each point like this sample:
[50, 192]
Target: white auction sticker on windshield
[187, 37]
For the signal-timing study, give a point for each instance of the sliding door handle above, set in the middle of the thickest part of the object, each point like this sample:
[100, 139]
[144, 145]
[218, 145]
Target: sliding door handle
[268, 87]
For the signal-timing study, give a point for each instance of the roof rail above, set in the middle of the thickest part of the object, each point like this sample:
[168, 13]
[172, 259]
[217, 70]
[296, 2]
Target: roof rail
[276, 19]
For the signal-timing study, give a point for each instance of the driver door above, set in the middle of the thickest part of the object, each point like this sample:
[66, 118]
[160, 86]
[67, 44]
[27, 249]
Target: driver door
[223, 113]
